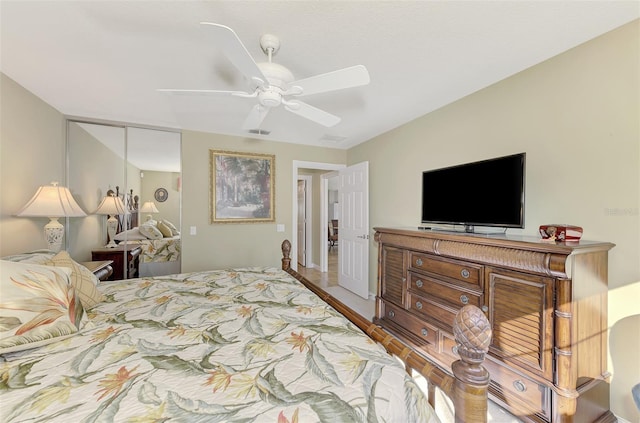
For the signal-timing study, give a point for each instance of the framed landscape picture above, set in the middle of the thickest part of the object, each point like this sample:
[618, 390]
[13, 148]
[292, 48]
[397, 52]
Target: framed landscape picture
[242, 187]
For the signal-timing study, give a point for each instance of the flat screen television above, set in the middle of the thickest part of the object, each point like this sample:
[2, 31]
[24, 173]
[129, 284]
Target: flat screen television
[485, 193]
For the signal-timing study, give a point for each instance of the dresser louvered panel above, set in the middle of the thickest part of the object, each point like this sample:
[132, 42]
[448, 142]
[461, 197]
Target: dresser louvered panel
[547, 304]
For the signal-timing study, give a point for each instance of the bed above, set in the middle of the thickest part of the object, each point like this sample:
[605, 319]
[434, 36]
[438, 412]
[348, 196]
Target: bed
[246, 344]
[160, 244]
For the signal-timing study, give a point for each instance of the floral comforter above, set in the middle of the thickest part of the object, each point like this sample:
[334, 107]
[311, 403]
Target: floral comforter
[235, 346]
[159, 250]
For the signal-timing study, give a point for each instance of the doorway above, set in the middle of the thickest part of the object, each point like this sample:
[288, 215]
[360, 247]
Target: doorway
[353, 255]
[322, 234]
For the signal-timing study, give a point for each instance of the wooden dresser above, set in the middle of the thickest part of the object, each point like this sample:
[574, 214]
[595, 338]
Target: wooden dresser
[547, 304]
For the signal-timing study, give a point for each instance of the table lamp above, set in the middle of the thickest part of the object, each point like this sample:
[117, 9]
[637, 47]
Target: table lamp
[52, 201]
[111, 206]
[149, 207]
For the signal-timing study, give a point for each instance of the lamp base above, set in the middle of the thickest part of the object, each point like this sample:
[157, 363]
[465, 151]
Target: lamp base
[112, 227]
[54, 233]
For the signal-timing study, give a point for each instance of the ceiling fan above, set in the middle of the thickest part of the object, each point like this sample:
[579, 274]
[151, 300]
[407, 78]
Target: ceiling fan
[273, 84]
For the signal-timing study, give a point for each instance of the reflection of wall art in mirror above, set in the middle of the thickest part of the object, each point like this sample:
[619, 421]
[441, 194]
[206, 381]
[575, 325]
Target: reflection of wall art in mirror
[161, 195]
[242, 187]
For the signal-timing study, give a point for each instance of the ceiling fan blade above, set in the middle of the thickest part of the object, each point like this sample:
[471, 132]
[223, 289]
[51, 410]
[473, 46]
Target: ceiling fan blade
[336, 80]
[202, 92]
[235, 51]
[255, 117]
[307, 111]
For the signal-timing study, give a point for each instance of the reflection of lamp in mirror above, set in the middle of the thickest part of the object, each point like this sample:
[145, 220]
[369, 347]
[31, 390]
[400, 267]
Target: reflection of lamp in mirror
[52, 201]
[111, 205]
[149, 207]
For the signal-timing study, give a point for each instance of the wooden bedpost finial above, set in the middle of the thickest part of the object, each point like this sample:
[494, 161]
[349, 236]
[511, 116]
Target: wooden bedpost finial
[473, 336]
[286, 251]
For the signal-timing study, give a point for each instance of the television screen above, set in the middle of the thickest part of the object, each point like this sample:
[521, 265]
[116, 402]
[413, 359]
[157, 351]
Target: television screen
[484, 193]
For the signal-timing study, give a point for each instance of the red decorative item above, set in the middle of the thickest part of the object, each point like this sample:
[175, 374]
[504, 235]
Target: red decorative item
[561, 232]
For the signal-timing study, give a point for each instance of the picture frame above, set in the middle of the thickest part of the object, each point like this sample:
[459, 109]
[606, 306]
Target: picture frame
[242, 187]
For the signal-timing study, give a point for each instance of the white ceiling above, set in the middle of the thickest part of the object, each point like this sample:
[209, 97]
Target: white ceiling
[105, 59]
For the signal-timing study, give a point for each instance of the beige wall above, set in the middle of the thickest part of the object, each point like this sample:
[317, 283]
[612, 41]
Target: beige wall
[169, 209]
[226, 245]
[577, 117]
[32, 154]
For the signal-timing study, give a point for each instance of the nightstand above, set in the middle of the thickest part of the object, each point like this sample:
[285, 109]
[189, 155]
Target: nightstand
[102, 269]
[121, 269]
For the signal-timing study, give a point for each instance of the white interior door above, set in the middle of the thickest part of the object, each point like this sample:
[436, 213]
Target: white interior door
[353, 229]
[302, 212]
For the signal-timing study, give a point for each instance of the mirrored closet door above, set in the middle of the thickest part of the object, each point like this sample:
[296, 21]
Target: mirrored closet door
[135, 174]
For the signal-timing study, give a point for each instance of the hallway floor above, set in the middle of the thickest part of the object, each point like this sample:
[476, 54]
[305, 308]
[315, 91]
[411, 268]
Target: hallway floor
[328, 281]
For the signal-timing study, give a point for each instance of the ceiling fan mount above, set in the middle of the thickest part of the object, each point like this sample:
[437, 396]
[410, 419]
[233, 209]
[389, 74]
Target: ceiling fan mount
[272, 83]
[270, 44]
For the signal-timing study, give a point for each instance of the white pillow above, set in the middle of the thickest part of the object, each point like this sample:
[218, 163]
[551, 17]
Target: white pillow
[150, 231]
[35, 257]
[131, 235]
[38, 305]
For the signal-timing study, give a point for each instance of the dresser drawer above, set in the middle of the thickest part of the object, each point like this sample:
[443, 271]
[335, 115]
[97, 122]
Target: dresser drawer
[454, 269]
[415, 326]
[435, 310]
[523, 394]
[453, 294]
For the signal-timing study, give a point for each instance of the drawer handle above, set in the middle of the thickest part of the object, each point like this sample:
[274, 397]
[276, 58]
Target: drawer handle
[419, 305]
[485, 308]
[424, 332]
[392, 314]
[419, 283]
[464, 299]
[454, 350]
[465, 273]
[419, 262]
[520, 386]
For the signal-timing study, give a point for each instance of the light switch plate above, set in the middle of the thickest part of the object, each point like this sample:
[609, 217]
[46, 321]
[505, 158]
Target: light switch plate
[280, 227]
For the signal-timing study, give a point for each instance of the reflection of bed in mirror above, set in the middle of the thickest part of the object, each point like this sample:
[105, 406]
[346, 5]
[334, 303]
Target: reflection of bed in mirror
[140, 161]
[159, 239]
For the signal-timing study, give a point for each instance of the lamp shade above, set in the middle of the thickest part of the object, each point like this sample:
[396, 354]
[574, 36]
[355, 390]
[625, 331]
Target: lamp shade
[52, 201]
[111, 205]
[149, 207]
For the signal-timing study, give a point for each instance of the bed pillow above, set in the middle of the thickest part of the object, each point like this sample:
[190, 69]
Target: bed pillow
[82, 279]
[174, 230]
[38, 306]
[131, 235]
[150, 231]
[35, 257]
[166, 231]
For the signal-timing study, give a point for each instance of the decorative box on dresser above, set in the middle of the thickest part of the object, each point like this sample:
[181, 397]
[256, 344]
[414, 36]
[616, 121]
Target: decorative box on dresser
[547, 304]
[121, 269]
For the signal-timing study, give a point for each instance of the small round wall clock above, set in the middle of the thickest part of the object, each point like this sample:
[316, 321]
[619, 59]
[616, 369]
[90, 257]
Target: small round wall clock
[161, 195]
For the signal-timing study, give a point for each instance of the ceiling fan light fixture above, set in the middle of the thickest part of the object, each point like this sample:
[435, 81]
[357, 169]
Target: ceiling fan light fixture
[270, 98]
